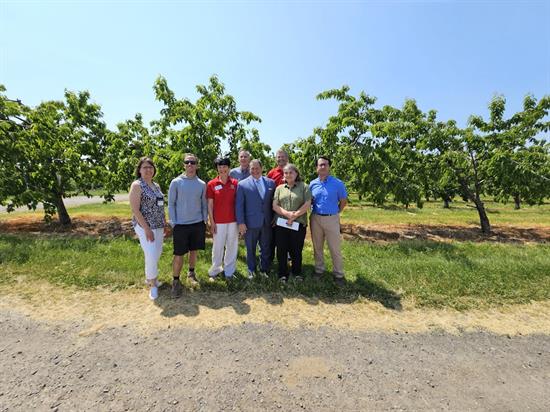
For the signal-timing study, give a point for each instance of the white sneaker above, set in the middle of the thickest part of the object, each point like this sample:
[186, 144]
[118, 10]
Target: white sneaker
[264, 274]
[153, 293]
[250, 275]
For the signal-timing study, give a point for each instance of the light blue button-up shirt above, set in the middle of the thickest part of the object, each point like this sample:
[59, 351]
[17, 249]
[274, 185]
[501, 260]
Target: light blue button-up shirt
[326, 195]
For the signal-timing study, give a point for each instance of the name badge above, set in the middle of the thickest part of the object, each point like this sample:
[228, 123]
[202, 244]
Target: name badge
[160, 201]
[219, 187]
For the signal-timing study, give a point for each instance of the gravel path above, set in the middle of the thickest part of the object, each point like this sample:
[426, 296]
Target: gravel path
[65, 366]
[74, 201]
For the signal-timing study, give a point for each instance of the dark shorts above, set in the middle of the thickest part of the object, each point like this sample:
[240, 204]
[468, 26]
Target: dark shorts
[188, 238]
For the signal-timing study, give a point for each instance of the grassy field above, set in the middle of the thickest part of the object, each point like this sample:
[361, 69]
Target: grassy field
[454, 274]
[361, 213]
[461, 275]
[460, 213]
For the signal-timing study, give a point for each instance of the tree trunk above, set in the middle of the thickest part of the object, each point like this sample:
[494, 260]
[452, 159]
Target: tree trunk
[446, 203]
[483, 219]
[64, 218]
[517, 202]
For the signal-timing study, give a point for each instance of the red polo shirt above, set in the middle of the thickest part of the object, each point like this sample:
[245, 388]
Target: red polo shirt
[224, 199]
[277, 175]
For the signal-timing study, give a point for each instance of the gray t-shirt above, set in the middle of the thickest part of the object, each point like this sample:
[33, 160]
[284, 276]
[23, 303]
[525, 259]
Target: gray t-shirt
[187, 201]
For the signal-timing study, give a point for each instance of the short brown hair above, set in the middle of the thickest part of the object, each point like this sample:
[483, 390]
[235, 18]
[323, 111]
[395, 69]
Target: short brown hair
[145, 160]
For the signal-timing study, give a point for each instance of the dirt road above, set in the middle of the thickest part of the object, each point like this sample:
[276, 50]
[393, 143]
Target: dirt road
[100, 350]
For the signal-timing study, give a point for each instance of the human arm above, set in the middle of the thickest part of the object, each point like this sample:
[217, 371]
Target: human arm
[211, 216]
[240, 209]
[172, 199]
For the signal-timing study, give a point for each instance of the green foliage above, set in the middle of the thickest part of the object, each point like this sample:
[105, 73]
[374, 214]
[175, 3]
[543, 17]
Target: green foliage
[199, 128]
[51, 152]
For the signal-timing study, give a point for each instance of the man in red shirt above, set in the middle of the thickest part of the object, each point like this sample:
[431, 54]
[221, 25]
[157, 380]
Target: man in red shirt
[220, 194]
[277, 173]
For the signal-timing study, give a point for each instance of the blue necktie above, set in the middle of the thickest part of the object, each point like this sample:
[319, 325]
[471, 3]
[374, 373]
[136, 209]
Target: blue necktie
[260, 186]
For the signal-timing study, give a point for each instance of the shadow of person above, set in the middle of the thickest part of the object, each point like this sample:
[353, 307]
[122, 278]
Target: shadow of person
[192, 300]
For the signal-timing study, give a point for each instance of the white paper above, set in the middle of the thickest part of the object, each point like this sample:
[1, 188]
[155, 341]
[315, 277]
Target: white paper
[282, 222]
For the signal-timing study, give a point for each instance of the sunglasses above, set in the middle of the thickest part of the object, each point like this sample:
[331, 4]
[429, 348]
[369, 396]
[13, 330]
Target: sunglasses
[190, 162]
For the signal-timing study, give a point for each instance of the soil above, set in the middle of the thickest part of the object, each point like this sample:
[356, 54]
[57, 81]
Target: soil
[109, 226]
[266, 367]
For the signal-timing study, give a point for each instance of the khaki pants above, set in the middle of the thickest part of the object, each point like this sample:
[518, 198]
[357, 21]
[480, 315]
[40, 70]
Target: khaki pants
[327, 227]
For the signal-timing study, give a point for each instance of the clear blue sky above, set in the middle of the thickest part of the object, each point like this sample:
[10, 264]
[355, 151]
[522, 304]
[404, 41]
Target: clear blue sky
[274, 57]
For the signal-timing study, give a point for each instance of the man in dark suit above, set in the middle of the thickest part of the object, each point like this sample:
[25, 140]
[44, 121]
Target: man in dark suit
[254, 213]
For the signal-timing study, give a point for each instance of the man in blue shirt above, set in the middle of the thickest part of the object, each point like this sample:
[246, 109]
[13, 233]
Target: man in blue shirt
[243, 170]
[329, 198]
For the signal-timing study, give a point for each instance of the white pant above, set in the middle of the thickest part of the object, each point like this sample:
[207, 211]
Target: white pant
[226, 236]
[151, 250]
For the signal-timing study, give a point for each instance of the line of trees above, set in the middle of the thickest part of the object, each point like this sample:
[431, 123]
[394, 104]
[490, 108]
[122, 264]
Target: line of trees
[63, 148]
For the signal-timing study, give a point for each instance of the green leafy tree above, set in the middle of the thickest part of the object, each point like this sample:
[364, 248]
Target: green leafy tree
[51, 152]
[518, 165]
[199, 127]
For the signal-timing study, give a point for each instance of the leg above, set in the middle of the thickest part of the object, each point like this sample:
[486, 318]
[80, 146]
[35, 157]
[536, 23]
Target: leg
[296, 247]
[282, 241]
[150, 252]
[251, 240]
[318, 240]
[192, 258]
[334, 240]
[218, 242]
[231, 249]
[177, 264]
[265, 245]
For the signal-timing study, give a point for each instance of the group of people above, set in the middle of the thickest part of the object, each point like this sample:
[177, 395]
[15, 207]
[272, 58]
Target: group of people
[269, 211]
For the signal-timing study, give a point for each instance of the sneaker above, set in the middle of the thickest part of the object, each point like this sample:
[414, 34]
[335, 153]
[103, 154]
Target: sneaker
[264, 274]
[340, 282]
[153, 293]
[297, 278]
[212, 279]
[250, 274]
[177, 289]
[282, 279]
[192, 278]
[317, 275]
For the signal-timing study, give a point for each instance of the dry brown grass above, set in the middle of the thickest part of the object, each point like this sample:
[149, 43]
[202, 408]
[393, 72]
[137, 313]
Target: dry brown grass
[101, 308]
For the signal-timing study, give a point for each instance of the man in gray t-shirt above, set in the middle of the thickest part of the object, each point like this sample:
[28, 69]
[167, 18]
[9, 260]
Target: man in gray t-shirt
[188, 213]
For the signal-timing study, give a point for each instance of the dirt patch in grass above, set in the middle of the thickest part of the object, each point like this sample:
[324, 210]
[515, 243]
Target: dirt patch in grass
[85, 225]
[393, 233]
[81, 226]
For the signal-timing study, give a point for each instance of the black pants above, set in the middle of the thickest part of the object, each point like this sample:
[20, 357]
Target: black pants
[291, 242]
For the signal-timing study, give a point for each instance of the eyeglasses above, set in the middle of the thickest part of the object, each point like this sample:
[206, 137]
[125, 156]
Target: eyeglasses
[190, 162]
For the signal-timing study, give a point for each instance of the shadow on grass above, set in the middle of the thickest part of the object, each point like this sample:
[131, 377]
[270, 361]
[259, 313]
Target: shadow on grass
[234, 293]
